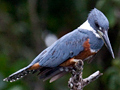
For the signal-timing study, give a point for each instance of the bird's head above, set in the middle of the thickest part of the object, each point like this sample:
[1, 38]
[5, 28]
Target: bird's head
[100, 24]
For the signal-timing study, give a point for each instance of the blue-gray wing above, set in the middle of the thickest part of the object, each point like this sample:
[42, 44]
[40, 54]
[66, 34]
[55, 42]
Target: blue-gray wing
[63, 49]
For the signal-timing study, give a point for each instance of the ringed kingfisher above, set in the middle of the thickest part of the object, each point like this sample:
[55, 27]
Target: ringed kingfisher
[82, 43]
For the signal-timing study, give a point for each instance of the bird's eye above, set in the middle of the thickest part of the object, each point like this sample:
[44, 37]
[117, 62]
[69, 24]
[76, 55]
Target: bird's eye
[96, 24]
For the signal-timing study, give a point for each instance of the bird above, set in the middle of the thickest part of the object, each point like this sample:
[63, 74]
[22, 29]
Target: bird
[83, 43]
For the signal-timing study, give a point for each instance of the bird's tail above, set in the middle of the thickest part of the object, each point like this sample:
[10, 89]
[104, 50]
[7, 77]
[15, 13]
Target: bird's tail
[44, 72]
[18, 75]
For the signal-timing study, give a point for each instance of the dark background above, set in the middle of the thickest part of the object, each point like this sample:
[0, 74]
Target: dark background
[24, 25]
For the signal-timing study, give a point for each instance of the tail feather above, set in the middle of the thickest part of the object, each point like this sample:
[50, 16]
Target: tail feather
[53, 73]
[18, 75]
[44, 72]
[50, 74]
[57, 76]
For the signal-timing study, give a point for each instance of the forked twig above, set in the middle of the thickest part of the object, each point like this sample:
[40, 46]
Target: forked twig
[76, 82]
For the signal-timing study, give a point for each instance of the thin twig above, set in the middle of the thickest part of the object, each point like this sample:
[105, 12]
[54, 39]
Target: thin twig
[91, 78]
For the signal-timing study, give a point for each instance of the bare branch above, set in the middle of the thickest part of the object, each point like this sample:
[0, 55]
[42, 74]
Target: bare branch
[76, 82]
[91, 78]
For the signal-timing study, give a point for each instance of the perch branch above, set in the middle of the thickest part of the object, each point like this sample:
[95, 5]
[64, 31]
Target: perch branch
[76, 82]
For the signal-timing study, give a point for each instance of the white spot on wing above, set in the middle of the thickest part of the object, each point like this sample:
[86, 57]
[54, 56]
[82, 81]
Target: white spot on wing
[93, 51]
[87, 26]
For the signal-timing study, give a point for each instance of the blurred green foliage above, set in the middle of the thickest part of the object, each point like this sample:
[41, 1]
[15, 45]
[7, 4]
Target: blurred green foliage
[22, 24]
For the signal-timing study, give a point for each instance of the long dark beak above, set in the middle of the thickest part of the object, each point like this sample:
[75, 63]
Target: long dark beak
[106, 40]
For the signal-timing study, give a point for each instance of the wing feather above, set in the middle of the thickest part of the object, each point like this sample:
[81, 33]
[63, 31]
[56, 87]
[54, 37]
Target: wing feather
[65, 48]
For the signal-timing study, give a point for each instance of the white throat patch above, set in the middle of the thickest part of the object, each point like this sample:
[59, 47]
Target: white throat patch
[87, 26]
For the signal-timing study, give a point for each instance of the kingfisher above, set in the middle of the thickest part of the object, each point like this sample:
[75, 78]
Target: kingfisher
[82, 43]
